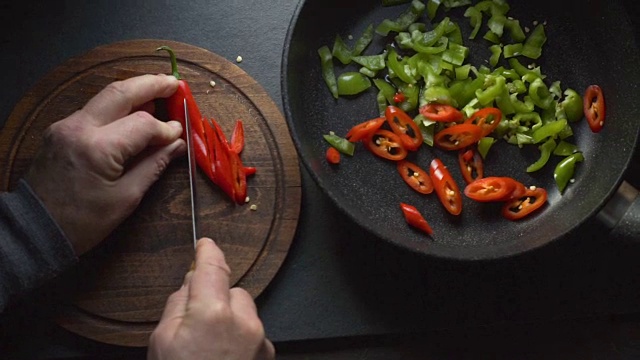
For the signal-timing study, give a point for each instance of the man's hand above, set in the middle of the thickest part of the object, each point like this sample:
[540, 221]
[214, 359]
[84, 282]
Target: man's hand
[96, 165]
[207, 320]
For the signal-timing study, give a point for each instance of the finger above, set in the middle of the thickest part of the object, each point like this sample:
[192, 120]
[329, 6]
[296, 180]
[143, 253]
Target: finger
[130, 135]
[242, 303]
[119, 98]
[176, 305]
[149, 107]
[267, 351]
[210, 280]
[149, 166]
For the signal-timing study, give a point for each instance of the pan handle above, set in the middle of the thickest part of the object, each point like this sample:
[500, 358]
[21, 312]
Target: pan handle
[622, 213]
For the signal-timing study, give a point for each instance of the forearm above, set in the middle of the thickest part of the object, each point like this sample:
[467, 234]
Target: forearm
[33, 249]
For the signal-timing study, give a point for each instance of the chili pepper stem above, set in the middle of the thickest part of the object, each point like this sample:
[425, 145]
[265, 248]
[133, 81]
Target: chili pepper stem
[174, 62]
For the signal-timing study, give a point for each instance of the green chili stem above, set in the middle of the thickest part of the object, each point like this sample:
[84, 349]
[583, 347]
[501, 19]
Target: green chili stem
[174, 62]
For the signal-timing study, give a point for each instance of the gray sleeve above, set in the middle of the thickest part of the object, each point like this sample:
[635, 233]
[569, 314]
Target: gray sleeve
[33, 248]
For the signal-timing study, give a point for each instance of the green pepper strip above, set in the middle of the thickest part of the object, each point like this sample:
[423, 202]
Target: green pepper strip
[496, 51]
[341, 144]
[565, 148]
[372, 62]
[475, 20]
[382, 103]
[522, 70]
[572, 105]
[388, 91]
[439, 94]
[455, 54]
[555, 89]
[491, 36]
[341, 51]
[411, 93]
[512, 50]
[439, 46]
[427, 128]
[432, 8]
[489, 94]
[462, 72]
[525, 106]
[367, 72]
[405, 19]
[565, 169]
[352, 83]
[484, 145]
[549, 129]
[528, 121]
[454, 33]
[496, 24]
[398, 68]
[532, 47]
[515, 30]
[539, 94]
[545, 153]
[429, 38]
[328, 74]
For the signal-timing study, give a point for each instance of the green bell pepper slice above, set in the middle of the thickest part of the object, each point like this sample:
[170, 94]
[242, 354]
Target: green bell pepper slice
[438, 94]
[487, 95]
[411, 93]
[565, 148]
[515, 30]
[432, 8]
[387, 90]
[540, 95]
[565, 170]
[512, 50]
[341, 51]
[572, 105]
[456, 54]
[496, 51]
[532, 47]
[427, 128]
[545, 153]
[484, 145]
[398, 67]
[328, 73]
[550, 129]
[341, 144]
[496, 24]
[408, 17]
[475, 20]
[352, 83]
[372, 62]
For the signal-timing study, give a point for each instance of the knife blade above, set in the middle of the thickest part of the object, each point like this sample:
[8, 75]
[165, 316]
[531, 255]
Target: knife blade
[192, 172]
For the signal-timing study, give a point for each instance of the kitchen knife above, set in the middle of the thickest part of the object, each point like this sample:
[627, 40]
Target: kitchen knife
[192, 171]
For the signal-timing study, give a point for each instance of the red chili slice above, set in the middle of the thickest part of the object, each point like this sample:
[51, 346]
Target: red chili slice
[402, 124]
[415, 177]
[399, 97]
[415, 219]
[487, 118]
[532, 200]
[446, 188]
[387, 145]
[458, 137]
[333, 155]
[364, 129]
[441, 112]
[471, 163]
[594, 107]
[237, 137]
[490, 189]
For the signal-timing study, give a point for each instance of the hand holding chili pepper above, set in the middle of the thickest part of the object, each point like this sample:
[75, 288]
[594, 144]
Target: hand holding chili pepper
[95, 165]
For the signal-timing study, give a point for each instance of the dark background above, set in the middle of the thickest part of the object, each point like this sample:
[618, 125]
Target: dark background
[341, 293]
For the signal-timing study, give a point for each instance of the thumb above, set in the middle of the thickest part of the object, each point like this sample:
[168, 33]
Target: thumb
[176, 305]
[150, 165]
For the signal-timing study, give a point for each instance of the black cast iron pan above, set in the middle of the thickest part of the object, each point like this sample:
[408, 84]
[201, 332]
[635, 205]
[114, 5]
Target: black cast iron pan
[589, 42]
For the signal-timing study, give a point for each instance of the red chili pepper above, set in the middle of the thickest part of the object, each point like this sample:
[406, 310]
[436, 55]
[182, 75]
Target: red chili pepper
[415, 219]
[219, 159]
[333, 155]
[594, 107]
[441, 112]
[399, 97]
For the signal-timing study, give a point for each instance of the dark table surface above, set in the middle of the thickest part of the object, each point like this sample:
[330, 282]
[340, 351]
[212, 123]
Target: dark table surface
[341, 292]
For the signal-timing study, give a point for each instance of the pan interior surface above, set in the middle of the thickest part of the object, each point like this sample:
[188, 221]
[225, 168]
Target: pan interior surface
[595, 45]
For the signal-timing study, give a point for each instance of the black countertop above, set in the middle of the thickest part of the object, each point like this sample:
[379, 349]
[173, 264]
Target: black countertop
[338, 281]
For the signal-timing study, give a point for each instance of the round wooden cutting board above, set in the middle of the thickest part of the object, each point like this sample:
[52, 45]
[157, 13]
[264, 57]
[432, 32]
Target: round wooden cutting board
[120, 288]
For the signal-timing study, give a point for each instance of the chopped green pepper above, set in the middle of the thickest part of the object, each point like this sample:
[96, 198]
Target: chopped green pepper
[405, 19]
[387, 90]
[512, 50]
[572, 105]
[341, 51]
[565, 170]
[427, 128]
[515, 30]
[532, 47]
[352, 83]
[496, 51]
[398, 67]
[545, 153]
[550, 129]
[341, 144]
[328, 74]
[565, 148]
[539, 93]
[371, 62]
[484, 145]
[455, 54]
[475, 20]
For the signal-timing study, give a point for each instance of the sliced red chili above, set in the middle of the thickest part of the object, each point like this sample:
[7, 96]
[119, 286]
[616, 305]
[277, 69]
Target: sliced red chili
[446, 188]
[441, 112]
[532, 200]
[364, 129]
[415, 219]
[518, 191]
[594, 107]
[237, 137]
[471, 164]
[333, 155]
[490, 189]
[386, 144]
[415, 177]
[402, 124]
[457, 137]
[250, 170]
[399, 97]
[487, 118]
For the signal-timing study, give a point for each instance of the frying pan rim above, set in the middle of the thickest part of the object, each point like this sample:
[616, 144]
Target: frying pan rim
[477, 253]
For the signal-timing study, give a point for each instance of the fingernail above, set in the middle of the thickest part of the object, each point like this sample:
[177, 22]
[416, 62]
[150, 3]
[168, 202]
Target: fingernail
[175, 124]
[207, 239]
